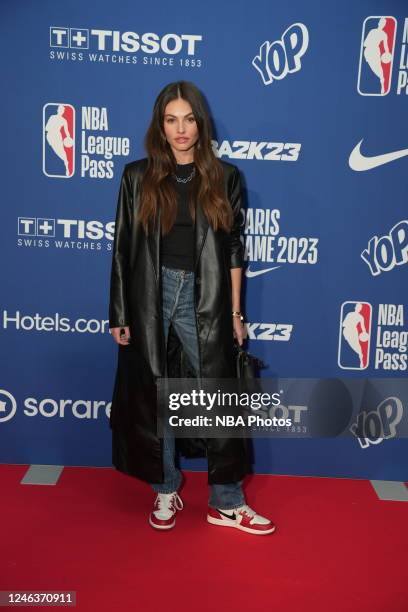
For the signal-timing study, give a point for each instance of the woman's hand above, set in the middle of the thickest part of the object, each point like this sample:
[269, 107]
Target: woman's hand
[120, 339]
[239, 330]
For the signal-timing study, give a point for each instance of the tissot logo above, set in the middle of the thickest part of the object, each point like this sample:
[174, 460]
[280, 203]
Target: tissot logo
[41, 232]
[130, 42]
[115, 47]
[67, 228]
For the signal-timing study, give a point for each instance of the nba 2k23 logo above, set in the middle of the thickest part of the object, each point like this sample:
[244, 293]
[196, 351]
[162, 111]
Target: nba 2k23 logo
[58, 140]
[354, 335]
[376, 56]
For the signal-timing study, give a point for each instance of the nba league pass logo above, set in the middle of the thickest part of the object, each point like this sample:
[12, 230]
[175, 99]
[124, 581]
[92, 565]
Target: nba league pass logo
[354, 335]
[386, 330]
[376, 56]
[97, 148]
[384, 45]
[58, 140]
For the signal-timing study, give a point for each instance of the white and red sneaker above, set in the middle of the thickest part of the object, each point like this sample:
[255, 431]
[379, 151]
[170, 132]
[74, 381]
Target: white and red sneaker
[243, 518]
[163, 515]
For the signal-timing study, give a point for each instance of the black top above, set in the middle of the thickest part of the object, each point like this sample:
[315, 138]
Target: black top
[178, 245]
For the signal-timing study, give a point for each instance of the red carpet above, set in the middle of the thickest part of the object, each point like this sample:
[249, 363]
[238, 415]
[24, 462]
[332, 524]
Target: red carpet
[337, 546]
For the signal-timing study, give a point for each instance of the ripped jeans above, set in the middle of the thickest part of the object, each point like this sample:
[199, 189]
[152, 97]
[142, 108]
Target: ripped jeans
[178, 309]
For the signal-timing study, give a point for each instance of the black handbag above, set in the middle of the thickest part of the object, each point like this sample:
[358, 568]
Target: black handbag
[247, 365]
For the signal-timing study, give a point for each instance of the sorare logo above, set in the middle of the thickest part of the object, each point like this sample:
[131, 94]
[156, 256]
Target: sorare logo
[376, 56]
[354, 335]
[58, 140]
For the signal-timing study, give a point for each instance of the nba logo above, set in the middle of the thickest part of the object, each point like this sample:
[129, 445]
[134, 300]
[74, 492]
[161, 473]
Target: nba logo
[376, 56]
[354, 335]
[58, 140]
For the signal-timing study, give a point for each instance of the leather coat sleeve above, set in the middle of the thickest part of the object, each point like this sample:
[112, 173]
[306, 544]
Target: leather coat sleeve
[118, 308]
[235, 196]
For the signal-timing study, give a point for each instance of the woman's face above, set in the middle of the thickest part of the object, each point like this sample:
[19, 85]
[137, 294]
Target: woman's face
[180, 126]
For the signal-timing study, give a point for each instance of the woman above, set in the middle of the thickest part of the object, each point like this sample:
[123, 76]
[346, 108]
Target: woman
[176, 267]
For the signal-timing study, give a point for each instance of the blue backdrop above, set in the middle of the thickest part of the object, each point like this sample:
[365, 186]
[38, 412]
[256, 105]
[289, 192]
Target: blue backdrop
[308, 100]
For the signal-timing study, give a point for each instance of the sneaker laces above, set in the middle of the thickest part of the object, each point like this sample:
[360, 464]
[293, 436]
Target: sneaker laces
[248, 510]
[164, 501]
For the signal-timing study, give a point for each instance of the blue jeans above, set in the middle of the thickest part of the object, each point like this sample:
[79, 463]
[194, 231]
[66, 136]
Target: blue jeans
[179, 309]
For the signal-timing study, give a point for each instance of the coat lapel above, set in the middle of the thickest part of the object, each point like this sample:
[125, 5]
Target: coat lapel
[200, 233]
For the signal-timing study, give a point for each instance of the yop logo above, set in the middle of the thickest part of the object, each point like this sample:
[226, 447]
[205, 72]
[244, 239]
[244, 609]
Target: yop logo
[276, 59]
[8, 406]
[354, 335]
[376, 56]
[380, 424]
[384, 253]
[58, 140]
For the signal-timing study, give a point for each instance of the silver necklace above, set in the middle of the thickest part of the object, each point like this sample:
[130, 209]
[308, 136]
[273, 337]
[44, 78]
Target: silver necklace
[179, 179]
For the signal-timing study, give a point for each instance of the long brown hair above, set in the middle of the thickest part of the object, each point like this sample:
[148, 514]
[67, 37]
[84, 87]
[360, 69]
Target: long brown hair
[207, 187]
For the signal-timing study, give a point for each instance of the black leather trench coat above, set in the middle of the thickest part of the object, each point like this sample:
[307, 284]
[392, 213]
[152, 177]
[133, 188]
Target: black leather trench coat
[135, 300]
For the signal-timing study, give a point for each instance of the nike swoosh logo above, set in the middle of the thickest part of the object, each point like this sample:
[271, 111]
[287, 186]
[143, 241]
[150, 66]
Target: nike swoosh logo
[251, 273]
[359, 162]
[230, 516]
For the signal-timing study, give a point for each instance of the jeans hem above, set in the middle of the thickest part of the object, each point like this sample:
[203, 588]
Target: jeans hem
[165, 487]
[227, 507]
